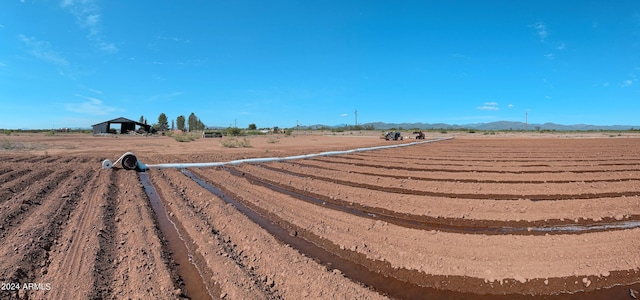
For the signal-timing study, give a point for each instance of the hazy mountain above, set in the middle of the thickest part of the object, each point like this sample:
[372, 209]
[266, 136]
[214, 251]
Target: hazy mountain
[499, 125]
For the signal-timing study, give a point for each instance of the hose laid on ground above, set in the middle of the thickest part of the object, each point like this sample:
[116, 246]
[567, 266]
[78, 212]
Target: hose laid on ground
[130, 162]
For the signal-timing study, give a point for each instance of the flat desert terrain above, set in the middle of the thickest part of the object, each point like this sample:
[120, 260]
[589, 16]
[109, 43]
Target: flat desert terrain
[461, 216]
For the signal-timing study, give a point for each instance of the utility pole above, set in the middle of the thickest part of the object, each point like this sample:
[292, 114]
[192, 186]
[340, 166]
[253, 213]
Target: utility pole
[356, 114]
[526, 121]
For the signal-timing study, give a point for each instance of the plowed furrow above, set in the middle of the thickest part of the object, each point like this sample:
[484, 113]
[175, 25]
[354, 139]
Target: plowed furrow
[477, 169]
[106, 230]
[491, 196]
[4, 170]
[522, 160]
[9, 176]
[382, 247]
[20, 183]
[470, 177]
[380, 158]
[33, 237]
[184, 201]
[456, 208]
[132, 256]
[459, 225]
[73, 257]
[19, 207]
[282, 268]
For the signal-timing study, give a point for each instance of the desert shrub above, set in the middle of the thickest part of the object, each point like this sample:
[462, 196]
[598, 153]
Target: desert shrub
[186, 137]
[50, 133]
[6, 144]
[235, 143]
[234, 131]
[273, 140]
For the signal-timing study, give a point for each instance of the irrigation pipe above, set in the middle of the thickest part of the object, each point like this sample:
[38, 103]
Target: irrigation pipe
[130, 162]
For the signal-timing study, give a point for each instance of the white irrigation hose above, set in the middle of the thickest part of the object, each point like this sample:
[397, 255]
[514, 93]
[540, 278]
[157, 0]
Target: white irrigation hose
[271, 159]
[130, 162]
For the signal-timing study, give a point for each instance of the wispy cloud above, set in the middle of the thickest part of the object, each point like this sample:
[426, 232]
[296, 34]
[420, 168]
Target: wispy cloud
[92, 106]
[42, 50]
[94, 90]
[173, 38]
[88, 16]
[510, 106]
[343, 115]
[493, 106]
[163, 96]
[629, 82]
[541, 30]
[461, 56]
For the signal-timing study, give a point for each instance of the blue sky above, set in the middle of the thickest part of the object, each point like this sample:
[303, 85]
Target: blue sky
[74, 63]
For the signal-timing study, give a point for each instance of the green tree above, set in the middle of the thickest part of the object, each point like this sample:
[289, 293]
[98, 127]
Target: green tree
[141, 120]
[200, 125]
[252, 126]
[173, 125]
[193, 122]
[180, 122]
[163, 122]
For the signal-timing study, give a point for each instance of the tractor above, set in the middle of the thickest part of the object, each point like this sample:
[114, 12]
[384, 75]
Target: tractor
[392, 135]
[420, 135]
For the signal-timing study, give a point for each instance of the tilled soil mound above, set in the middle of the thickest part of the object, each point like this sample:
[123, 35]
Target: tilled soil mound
[482, 218]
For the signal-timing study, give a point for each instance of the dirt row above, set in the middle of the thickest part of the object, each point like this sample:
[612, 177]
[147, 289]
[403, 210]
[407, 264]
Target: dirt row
[74, 231]
[240, 257]
[520, 259]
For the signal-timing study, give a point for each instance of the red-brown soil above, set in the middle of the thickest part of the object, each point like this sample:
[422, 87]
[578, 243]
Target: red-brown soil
[476, 215]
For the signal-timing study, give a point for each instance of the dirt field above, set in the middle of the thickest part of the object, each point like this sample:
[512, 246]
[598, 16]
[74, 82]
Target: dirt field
[502, 216]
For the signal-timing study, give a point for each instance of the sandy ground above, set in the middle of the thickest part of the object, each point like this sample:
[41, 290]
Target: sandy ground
[483, 215]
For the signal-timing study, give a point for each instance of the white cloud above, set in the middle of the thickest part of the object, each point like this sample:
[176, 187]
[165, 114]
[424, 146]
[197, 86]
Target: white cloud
[344, 115]
[172, 38]
[493, 106]
[541, 30]
[94, 90]
[93, 106]
[159, 97]
[42, 50]
[629, 82]
[87, 14]
[606, 84]
[550, 56]
[561, 46]
[510, 106]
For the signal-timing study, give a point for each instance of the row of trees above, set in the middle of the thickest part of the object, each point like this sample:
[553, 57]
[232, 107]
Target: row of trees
[193, 123]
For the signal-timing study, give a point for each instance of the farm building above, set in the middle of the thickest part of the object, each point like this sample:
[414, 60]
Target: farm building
[126, 126]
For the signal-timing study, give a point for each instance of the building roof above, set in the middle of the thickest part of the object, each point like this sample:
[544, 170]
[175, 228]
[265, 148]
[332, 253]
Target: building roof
[122, 120]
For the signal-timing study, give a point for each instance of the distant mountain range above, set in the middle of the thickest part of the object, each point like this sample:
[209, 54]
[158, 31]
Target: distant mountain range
[500, 125]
